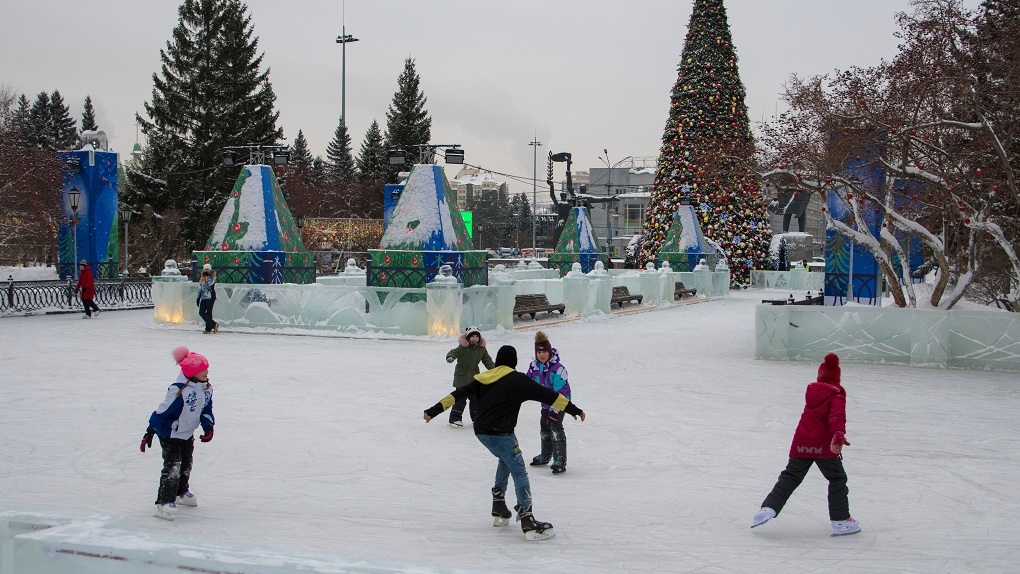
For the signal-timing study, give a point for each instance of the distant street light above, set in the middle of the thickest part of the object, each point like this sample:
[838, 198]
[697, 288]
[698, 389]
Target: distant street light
[535, 144]
[343, 40]
[125, 214]
[609, 191]
[74, 196]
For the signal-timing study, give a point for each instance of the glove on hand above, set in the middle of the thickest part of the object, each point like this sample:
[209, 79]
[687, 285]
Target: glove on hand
[207, 436]
[147, 439]
[449, 359]
[838, 440]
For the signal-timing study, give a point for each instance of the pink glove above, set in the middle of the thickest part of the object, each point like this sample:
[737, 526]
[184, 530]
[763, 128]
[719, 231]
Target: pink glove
[838, 440]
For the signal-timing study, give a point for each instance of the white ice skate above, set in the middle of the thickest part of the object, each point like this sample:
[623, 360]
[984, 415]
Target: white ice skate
[166, 511]
[844, 527]
[187, 499]
[763, 516]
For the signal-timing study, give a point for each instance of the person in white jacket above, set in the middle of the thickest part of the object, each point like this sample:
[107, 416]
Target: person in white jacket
[187, 406]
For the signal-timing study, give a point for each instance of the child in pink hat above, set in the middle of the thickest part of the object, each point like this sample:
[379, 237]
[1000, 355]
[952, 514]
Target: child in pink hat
[187, 406]
[818, 440]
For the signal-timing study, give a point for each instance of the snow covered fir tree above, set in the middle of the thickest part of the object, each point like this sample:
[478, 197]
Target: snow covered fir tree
[707, 152]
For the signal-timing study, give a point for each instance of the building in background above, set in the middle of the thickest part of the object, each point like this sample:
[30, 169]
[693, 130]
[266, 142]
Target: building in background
[472, 183]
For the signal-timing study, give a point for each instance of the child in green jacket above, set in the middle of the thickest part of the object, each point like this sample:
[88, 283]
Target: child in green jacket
[470, 351]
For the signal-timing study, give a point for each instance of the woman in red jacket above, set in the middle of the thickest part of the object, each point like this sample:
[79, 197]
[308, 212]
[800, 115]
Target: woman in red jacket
[88, 289]
[819, 439]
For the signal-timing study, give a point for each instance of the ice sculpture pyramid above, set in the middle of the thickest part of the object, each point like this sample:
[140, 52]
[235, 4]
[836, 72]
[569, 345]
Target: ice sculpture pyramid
[255, 239]
[426, 217]
[577, 244]
[425, 232]
[256, 216]
[685, 244]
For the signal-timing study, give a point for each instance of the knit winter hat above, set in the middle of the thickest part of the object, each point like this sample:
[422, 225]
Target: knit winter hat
[207, 267]
[472, 330]
[542, 343]
[507, 357]
[828, 371]
[191, 363]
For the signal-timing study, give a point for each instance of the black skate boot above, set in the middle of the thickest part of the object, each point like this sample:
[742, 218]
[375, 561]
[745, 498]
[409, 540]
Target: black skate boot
[500, 513]
[533, 529]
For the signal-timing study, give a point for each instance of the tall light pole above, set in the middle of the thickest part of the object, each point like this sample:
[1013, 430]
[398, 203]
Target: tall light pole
[609, 190]
[343, 40]
[535, 144]
[74, 196]
[125, 214]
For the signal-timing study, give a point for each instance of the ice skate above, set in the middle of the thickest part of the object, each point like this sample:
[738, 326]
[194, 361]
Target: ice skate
[457, 424]
[187, 499]
[763, 516]
[166, 511]
[539, 461]
[533, 529]
[500, 513]
[558, 468]
[844, 527]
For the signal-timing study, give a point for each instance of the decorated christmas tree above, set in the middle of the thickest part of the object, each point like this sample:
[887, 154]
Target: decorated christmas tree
[707, 150]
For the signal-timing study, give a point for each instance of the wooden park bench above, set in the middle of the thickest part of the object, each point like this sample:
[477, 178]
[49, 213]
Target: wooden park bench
[679, 291]
[622, 295]
[533, 304]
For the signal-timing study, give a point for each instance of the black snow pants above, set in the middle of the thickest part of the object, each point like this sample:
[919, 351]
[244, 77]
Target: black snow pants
[205, 307]
[177, 457]
[797, 469]
[457, 410]
[554, 438]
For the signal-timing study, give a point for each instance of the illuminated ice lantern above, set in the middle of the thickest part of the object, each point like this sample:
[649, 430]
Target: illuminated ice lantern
[444, 303]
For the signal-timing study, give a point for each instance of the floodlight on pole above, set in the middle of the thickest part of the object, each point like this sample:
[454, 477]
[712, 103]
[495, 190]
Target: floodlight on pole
[535, 144]
[343, 40]
[396, 156]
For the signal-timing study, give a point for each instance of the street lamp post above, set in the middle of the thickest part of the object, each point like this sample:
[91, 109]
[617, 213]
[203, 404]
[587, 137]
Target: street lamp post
[125, 214]
[343, 40]
[609, 191]
[535, 144]
[74, 196]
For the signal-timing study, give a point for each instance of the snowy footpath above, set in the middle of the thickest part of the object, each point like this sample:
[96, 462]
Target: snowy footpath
[320, 447]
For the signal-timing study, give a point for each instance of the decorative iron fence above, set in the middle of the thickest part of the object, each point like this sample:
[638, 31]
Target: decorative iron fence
[28, 296]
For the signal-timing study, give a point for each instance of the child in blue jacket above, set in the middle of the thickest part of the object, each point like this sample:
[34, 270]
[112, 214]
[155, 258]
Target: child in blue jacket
[187, 405]
[547, 371]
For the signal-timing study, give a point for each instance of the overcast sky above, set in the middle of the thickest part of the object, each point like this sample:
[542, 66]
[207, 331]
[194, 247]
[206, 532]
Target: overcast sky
[584, 75]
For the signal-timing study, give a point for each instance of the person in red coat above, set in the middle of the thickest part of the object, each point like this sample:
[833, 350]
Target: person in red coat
[819, 439]
[88, 289]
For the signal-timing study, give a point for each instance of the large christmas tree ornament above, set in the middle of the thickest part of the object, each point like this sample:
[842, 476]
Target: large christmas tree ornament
[707, 151]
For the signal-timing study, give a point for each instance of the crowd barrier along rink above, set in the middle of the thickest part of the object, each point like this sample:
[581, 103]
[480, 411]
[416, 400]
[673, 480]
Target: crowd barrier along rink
[981, 340]
[45, 543]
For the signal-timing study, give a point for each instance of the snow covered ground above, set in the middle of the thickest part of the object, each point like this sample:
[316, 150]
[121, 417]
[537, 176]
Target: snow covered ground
[320, 446]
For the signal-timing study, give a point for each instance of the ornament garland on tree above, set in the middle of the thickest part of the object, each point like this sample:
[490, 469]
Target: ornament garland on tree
[707, 150]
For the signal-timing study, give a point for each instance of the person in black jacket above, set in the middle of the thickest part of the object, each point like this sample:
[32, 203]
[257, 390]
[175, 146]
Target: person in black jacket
[500, 392]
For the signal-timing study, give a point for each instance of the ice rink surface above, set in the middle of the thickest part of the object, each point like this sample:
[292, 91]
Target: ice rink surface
[320, 446]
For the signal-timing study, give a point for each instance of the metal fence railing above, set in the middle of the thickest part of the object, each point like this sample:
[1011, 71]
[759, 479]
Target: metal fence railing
[19, 297]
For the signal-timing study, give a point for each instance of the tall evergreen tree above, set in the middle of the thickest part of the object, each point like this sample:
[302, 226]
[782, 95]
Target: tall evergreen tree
[340, 166]
[371, 160]
[707, 148]
[39, 122]
[21, 121]
[63, 130]
[407, 121]
[299, 153]
[210, 93]
[88, 116]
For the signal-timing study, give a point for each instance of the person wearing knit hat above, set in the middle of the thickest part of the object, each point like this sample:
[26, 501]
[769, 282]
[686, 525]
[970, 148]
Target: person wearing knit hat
[87, 285]
[500, 392]
[206, 299]
[547, 371]
[819, 440]
[188, 405]
[470, 351]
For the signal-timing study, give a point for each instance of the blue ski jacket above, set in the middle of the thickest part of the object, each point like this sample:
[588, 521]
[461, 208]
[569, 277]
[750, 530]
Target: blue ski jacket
[187, 406]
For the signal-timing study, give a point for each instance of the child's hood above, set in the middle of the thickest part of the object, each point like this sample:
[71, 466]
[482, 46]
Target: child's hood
[818, 393]
[463, 340]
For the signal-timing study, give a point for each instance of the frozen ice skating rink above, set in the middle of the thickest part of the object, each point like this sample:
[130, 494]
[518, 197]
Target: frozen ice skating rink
[320, 446]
